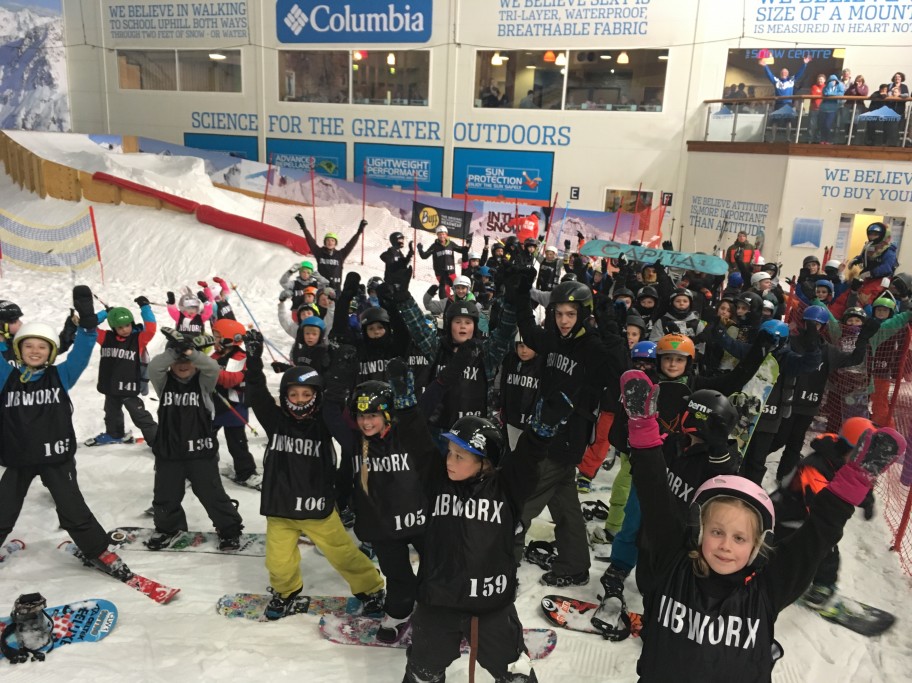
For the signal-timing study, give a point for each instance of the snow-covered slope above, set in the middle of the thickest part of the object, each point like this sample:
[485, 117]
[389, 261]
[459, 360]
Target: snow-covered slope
[148, 252]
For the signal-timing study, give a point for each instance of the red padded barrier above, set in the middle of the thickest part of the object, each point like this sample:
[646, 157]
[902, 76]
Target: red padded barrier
[181, 203]
[251, 228]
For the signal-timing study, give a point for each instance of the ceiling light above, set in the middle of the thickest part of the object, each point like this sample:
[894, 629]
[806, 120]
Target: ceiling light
[357, 56]
[612, 71]
[663, 57]
[217, 56]
[550, 56]
[606, 57]
[561, 59]
[391, 59]
[496, 59]
[623, 58]
[530, 66]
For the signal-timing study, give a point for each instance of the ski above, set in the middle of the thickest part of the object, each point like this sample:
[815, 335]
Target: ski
[702, 263]
[13, 546]
[153, 589]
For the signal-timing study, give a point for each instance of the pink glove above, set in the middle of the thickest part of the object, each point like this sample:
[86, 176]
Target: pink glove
[643, 433]
[873, 453]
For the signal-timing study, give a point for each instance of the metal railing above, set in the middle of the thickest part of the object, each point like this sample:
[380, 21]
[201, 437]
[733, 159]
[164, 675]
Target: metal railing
[760, 119]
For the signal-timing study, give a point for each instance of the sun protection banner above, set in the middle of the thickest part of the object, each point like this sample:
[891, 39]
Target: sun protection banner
[503, 174]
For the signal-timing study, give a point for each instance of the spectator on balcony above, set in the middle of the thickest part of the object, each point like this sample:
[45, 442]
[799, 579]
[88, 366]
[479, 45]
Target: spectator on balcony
[785, 82]
[890, 128]
[898, 88]
[829, 108]
[814, 116]
[858, 88]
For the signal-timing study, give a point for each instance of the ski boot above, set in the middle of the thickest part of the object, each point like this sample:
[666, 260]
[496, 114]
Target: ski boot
[110, 563]
[392, 630]
[372, 603]
[280, 607]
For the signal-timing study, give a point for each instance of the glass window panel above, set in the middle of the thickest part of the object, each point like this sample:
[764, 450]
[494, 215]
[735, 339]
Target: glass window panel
[400, 77]
[147, 69]
[204, 71]
[518, 79]
[317, 76]
[616, 80]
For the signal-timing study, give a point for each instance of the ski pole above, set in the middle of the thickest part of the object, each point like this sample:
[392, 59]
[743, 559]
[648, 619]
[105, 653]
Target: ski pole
[255, 323]
[237, 414]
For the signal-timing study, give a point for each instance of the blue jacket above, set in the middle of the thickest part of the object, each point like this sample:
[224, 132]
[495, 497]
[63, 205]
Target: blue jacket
[833, 87]
[70, 369]
[786, 87]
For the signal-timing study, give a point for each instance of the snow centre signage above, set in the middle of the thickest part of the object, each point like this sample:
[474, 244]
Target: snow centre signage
[497, 173]
[354, 21]
[175, 23]
[403, 166]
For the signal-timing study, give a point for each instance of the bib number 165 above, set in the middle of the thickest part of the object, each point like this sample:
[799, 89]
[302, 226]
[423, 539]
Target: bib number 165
[489, 586]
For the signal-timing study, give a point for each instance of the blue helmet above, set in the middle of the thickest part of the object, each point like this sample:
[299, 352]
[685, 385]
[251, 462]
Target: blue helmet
[735, 279]
[484, 271]
[824, 283]
[644, 349]
[817, 314]
[314, 321]
[777, 329]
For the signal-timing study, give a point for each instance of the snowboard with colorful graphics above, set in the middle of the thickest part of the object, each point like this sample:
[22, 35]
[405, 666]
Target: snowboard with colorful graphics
[856, 616]
[750, 402]
[354, 630]
[576, 615]
[11, 547]
[252, 606]
[161, 593]
[86, 621]
[135, 537]
[702, 263]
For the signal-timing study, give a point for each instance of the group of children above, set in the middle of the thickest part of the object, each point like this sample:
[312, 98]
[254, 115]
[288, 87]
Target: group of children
[458, 424]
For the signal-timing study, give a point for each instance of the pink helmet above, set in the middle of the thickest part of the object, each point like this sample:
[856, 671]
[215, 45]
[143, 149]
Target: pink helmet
[742, 489]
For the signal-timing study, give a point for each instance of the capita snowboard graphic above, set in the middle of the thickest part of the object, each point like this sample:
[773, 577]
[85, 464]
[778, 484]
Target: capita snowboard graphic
[576, 615]
[750, 402]
[252, 606]
[354, 630]
[703, 263]
[85, 621]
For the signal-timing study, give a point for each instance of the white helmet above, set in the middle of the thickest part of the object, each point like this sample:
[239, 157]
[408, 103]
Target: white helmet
[769, 305]
[37, 331]
[189, 301]
[473, 255]
[462, 281]
[440, 229]
[551, 249]
[760, 261]
[833, 263]
[757, 278]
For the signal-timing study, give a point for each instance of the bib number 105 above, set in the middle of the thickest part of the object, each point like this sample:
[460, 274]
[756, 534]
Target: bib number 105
[489, 586]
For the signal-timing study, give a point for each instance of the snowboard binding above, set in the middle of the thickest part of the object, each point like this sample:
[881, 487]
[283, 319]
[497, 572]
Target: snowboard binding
[32, 628]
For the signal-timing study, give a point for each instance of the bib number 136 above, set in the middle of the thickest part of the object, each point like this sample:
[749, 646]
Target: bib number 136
[488, 586]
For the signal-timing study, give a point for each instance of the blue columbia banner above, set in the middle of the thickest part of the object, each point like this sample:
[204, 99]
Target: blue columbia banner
[354, 21]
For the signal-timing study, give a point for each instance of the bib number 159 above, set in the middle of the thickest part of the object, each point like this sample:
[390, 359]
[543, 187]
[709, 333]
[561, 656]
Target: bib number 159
[488, 586]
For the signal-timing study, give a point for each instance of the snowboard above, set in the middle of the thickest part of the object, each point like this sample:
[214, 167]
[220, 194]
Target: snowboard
[857, 616]
[576, 615]
[85, 621]
[252, 606]
[751, 401]
[128, 439]
[14, 546]
[161, 593]
[135, 537]
[703, 263]
[355, 630]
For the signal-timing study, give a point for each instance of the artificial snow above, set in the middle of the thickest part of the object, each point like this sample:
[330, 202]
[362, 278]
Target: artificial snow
[150, 252]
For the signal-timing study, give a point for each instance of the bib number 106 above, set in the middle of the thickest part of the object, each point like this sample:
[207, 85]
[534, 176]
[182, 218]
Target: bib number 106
[489, 586]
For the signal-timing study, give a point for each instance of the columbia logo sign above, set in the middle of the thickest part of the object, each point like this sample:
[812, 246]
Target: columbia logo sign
[365, 21]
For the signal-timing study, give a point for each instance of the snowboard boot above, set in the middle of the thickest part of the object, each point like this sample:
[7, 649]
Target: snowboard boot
[600, 536]
[348, 517]
[368, 550]
[280, 607]
[254, 481]
[520, 671]
[392, 630]
[372, 603]
[417, 674]
[110, 563]
[551, 578]
[162, 539]
[818, 595]
[229, 543]
[613, 580]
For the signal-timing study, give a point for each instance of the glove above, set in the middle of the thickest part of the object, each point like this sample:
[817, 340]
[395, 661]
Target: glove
[171, 300]
[432, 290]
[202, 283]
[566, 245]
[465, 355]
[340, 376]
[201, 295]
[176, 340]
[398, 282]
[284, 295]
[362, 225]
[789, 281]
[300, 219]
[85, 309]
[549, 414]
[872, 455]
[279, 367]
[253, 342]
[203, 341]
[402, 382]
[869, 328]
[856, 284]
[517, 285]
[411, 245]
[486, 240]
[350, 286]
[667, 245]
[141, 301]
[219, 280]
[868, 506]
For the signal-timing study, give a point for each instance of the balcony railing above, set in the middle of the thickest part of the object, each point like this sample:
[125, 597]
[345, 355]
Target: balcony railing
[792, 119]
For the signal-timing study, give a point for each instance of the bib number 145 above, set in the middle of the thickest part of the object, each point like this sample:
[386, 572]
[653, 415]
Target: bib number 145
[488, 586]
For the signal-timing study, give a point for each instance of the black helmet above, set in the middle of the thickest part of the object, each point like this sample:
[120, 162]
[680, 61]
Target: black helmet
[810, 259]
[477, 435]
[772, 269]
[396, 237]
[878, 229]
[621, 291]
[752, 299]
[572, 293]
[901, 282]
[9, 312]
[374, 314]
[709, 412]
[648, 292]
[511, 242]
[373, 396]
[374, 282]
[468, 309]
[301, 376]
[636, 320]
[681, 291]
[497, 245]
[530, 242]
[569, 277]
[854, 312]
